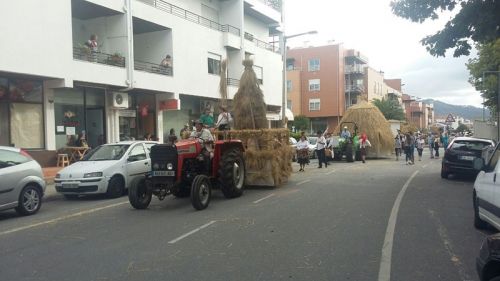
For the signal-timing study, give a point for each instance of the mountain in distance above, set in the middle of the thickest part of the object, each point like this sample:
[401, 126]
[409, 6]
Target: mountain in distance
[442, 109]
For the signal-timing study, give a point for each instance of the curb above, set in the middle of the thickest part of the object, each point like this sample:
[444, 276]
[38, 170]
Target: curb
[50, 192]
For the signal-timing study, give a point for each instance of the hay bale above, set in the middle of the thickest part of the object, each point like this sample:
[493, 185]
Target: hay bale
[249, 108]
[372, 122]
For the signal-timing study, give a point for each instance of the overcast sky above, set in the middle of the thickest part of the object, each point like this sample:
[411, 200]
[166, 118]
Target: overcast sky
[390, 43]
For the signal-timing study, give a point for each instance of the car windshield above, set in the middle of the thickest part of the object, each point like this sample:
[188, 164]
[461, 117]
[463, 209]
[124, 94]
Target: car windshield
[107, 152]
[469, 145]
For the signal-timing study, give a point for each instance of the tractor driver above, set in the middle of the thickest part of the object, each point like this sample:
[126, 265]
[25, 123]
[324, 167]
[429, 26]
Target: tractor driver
[345, 133]
[203, 135]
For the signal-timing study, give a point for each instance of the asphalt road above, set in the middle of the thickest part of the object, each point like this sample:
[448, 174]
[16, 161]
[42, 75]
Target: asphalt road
[325, 224]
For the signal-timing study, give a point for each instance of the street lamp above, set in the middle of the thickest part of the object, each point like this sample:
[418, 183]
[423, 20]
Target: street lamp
[283, 52]
[498, 100]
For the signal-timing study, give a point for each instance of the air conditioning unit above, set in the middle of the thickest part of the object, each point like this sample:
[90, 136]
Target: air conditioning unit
[120, 100]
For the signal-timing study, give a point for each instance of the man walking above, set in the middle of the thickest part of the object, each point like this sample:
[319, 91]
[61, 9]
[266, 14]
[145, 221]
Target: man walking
[320, 149]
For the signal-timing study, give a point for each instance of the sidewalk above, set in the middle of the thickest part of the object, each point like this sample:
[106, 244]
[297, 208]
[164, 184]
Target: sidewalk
[49, 173]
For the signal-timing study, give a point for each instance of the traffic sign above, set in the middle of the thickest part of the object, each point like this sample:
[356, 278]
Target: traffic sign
[450, 119]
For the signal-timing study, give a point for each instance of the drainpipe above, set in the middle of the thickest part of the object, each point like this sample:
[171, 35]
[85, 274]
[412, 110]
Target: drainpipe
[127, 8]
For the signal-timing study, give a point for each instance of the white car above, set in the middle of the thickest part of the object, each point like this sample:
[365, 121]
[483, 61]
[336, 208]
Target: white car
[486, 194]
[109, 169]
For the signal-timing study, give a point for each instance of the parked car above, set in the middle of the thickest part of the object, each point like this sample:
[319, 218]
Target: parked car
[486, 192]
[22, 183]
[460, 154]
[312, 146]
[488, 261]
[109, 169]
[293, 144]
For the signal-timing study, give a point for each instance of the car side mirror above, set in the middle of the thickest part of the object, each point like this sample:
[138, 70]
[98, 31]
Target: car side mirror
[478, 164]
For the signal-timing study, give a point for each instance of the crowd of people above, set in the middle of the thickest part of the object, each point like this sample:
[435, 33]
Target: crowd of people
[408, 142]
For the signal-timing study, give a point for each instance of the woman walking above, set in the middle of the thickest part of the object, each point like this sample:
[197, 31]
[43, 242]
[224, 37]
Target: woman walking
[397, 146]
[302, 152]
[362, 145]
[420, 146]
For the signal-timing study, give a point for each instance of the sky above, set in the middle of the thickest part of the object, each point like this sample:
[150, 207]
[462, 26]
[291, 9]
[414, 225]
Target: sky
[392, 44]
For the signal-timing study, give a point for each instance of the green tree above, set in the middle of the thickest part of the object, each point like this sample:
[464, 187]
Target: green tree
[484, 66]
[476, 20]
[390, 108]
[301, 123]
[461, 128]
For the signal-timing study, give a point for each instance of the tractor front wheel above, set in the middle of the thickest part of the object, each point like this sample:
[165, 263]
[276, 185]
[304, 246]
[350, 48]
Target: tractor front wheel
[232, 174]
[201, 192]
[139, 195]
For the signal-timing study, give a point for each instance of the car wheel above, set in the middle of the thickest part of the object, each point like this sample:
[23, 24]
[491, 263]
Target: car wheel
[139, 195]
[232, 174]
[478, 222]
[200, 192]
[116, 187]
[444, 174]
[30, 200]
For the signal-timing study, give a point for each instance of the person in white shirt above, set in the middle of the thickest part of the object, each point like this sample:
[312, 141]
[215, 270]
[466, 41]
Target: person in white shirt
[320, 149]
[224, 120]
[203, 135]
[302, 152]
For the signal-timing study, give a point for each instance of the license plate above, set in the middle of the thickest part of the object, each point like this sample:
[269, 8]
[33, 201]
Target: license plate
[163, 173]
[467, 158]
[70, 185]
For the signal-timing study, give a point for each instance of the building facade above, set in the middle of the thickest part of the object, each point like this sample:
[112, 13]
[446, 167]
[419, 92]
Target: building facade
[100, 67]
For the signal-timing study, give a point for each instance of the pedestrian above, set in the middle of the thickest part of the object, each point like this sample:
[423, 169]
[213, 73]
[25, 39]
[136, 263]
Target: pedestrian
[436, 147]
[224, 119]
[397, 146]
[364, 142]
[408, 148]
[302, 152]
[412, 147]
[320, 149]
[445, 140]
[420, 146]
[430, 141]
[172, 138]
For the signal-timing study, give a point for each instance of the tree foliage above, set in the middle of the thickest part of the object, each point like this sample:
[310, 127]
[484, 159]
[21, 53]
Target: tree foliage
[390, 108]
[301, 123]
[486, 65]
[476, 20]
[461, 128]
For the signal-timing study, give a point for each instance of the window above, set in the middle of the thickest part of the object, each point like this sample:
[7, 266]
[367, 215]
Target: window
[314, 104]
[11, 158]
[137, 153]
[314, 85]
[214, 63]
[259, 73]
[288, 85]
[313, 64]
[289, 104]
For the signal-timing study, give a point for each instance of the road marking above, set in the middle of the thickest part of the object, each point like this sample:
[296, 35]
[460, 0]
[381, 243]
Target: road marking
[304, 181]
[261, 199]
[191, 232]
[56, 220]
[331, 172]
[384, 273]
[443, 233]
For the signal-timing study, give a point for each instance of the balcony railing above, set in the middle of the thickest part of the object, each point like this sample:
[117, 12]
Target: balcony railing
[152, 68]
[350, 69]
[354, 88]
[261, 44]
[233, 82]
[85, 54]
[190, 16]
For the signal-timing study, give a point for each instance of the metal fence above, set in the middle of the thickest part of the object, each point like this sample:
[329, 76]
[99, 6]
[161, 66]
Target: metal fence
[233, 82]
[153, 68]
[85, 54]
[261, 44]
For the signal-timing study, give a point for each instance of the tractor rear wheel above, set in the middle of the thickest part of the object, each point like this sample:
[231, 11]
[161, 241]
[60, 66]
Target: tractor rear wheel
[232, 173]
[348, 152]
[201, 192]
[139, 195]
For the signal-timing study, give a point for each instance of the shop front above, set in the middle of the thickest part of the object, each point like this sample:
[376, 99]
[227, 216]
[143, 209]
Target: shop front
[138, 121]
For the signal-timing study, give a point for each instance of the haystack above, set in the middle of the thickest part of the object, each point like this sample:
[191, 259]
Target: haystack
[372, 122]
[248, 104]
[268, 154]
[408, 128]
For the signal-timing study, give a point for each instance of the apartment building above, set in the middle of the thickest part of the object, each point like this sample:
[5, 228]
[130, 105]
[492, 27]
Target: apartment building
[315, 78]
[55, 85]
[418, 113]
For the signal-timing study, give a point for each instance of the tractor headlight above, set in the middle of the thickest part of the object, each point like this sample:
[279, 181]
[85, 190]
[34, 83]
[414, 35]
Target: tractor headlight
[170, 166]
[156, 166]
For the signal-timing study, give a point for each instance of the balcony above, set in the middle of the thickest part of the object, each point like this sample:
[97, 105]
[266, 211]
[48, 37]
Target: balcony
[84, 54]
[190, 16]
[354, 88]
[355, 69]
[233, 82]
[153, 68]
[353, 56]
[265, 11]
[261, 44]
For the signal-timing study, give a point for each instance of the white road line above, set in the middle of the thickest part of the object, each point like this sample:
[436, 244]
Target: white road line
[304, 181]
[261, 199]
[384, 273]
[56, 220]
[331, 172]
[191, 232]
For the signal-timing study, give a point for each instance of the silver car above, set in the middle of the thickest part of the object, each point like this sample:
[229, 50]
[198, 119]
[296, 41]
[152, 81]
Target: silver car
[22, 184]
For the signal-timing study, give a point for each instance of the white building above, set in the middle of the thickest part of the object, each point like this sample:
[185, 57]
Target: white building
[52, 87]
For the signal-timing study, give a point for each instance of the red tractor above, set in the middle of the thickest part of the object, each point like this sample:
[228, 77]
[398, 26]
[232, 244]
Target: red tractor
[187, 169]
